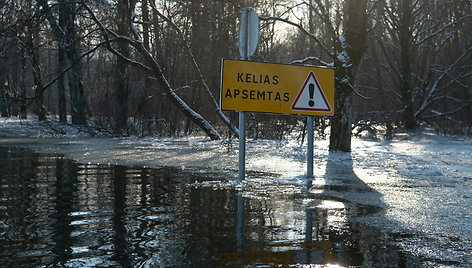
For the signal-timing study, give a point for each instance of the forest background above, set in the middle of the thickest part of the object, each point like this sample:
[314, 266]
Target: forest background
[152, 68]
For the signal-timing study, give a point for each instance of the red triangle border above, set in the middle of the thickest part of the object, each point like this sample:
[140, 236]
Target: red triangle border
[293, 108]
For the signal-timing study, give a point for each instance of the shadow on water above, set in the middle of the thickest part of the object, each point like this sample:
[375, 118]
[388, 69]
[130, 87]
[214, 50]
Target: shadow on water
[56, 212]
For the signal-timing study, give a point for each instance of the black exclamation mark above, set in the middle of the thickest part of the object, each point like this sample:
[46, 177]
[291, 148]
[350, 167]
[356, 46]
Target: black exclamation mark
[311, 89]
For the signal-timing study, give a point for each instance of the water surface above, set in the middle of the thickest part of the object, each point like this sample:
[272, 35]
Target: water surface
[57, 212]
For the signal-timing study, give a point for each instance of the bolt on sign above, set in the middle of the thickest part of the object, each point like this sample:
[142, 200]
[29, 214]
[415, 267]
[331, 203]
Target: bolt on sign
[276, 88]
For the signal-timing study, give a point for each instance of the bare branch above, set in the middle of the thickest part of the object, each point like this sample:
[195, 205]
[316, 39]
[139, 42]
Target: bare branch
[154, 69]
[197, 68]
[303, 61]
[442, 29]
[301, 28]
[429, 99]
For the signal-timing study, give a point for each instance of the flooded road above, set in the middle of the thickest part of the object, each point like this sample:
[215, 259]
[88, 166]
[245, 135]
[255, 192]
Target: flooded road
[57, 212]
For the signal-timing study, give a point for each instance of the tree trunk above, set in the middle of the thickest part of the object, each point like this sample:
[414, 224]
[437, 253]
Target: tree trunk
[61, 66]
[145, 107]
[3, 100]
[155, 69]
[33, 43]
[349, 50]
[341, 122]
[195, 117]
[78, 103]
[122, 72]
[67, 36]
[76, 87]
[405, 71]
[3, 96]
[61, 87]
[23, 114]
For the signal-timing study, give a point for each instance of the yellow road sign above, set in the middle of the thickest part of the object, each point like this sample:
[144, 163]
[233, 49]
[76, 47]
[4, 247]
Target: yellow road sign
[276, 88]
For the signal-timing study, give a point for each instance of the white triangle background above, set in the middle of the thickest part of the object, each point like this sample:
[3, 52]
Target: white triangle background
[302, 103]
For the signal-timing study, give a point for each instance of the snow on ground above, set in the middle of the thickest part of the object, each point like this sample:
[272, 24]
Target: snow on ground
[426, 183]
[423, 182]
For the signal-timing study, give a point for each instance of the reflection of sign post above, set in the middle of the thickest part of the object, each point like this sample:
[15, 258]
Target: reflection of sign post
[308, 252]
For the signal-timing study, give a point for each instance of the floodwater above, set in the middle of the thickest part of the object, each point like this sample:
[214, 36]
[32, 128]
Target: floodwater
[57, 212]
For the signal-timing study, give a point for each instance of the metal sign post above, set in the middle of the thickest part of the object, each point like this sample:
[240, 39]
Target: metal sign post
[248, 86]
[309, 147]
[242, 146]
[248, 32]
[248, 39]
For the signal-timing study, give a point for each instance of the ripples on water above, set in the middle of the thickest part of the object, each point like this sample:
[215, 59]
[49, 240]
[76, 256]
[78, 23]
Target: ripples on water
[56, 212]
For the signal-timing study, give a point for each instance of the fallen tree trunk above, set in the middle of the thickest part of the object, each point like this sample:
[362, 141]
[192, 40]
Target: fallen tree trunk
[152, 67]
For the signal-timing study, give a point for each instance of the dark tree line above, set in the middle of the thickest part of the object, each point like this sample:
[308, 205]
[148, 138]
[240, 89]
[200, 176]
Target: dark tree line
[146, 67]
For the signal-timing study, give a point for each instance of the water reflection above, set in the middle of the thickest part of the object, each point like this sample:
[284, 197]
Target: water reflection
[65, 189]
[314, 223]
[56, 212]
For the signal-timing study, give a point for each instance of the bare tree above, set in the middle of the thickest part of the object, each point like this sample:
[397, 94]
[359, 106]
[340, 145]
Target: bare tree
[66, 37]
[61, 65]
[122, 70]
[347, 29]
[4, 45]
[197, 68]
[150, 66]
[3, 95]
[414, 69]
[421, 61]
[32, 43]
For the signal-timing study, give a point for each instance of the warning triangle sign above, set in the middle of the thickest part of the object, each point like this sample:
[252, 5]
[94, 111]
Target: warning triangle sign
[311, 96]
